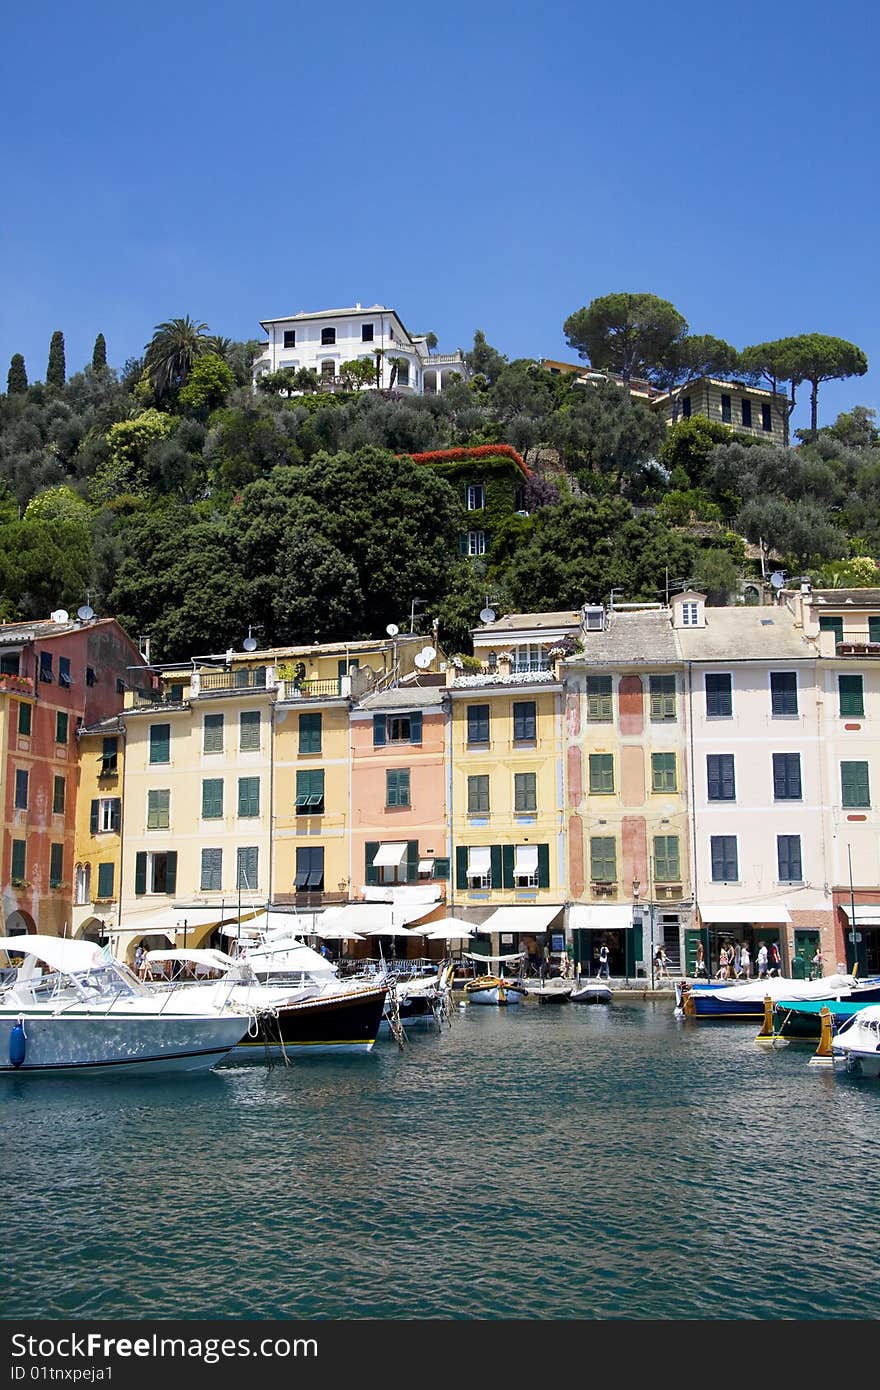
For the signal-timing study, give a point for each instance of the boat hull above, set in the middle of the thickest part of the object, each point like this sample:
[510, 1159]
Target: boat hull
[591, 994]
[803, 1019]
[853, 1062]
[90, 1044]
[344, 1022]
[500, 994]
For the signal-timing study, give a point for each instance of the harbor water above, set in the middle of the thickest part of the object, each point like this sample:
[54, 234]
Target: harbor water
[555, 1162]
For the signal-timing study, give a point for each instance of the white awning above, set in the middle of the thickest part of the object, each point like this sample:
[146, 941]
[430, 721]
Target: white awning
[426, 866]
[722, 915]
[373, 917]
[525, 860]
[479, 861]
[866, 914]
[607, 917]
[171, 919]
[390, 856]
[528, 919]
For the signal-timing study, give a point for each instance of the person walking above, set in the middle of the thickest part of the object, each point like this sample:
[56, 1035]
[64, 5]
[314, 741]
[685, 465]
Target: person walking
[661, 965]
[723, 968]
[700, 963]
[140, 960]
[603, 962]
[816, 971]
[746, 962]
[775, 959]
[737, 961]
[762, 961]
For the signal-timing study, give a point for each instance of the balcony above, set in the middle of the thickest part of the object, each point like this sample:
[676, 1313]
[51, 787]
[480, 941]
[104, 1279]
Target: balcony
[15, 685]
[260, 679]
[334, 688]
[857, 649]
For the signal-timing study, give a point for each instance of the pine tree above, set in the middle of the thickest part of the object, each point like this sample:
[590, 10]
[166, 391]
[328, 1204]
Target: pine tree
[99, 355]
[16, 381]
[55, 372]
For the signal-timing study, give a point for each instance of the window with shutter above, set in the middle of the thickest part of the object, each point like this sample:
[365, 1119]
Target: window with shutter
[59, 787]
[524, 721]
[56, 865]
[310, 792]
[788, 855]
[603, 859]
[724, 858]
[600, 704]
[601, 774]
[787, 777]
[247, 868]
[663, 772]
[851, 697]
[310, 869]
[478, 795]
[159, 809]
[212, 798]
[662, 690]
[248, 796]
[397, 787]
[667, 861]
[478, 723]
[160, 743]
[62, 722]
[310, 733]
[720, 777]
[719, 696]
[109, 757]
[525, 791]
[212, 734]
[21, 789]
[212, 870]
[783, 694]
[106, 879]
[249, 730]
[24, 719]
[854, 784]
[19, 860]
[830, 624]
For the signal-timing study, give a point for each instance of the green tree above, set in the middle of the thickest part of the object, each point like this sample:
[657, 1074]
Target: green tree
[357, 373]
[798, 530]
[688, 446]
[855, 428]
[817, 357]
[58, 504]
[99, 354]
[16, 380]
[55, 371]
[629, 334]
[716, 574]
[209, 382]
[691, 357]
[171, 352]
[483, 359]
[775, 363]
[276, 383]
[127, 445]
[605, 436]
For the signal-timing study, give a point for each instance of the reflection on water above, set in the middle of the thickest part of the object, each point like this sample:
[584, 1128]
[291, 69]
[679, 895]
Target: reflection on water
[566, 1162]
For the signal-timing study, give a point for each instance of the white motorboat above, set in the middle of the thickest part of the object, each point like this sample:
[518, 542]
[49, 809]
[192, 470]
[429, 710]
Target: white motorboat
[68, 1009]
[308, 1010]
[855, 1048]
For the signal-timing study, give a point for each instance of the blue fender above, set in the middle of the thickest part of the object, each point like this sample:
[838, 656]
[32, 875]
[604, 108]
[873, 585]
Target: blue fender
[17, 1043]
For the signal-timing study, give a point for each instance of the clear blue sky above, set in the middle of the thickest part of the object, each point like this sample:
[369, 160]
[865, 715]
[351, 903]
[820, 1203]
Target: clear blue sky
[474, 165]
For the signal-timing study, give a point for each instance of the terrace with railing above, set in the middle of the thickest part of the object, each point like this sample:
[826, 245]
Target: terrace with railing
[11, 684]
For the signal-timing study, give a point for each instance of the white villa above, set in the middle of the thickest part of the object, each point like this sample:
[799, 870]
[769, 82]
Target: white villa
[321, 342]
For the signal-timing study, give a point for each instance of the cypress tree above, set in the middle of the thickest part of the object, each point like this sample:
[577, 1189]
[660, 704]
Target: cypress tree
[55, 372]
[16, 381]
[99, 355]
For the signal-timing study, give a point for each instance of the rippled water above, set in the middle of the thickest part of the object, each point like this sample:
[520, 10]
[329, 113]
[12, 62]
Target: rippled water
[551, 1162]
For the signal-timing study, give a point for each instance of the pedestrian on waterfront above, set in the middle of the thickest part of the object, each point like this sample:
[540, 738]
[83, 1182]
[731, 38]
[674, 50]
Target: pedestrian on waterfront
[762, 961]
[661, 965]
[140, 960]
[603, 962]
[746, 962]
[816, 972]
[700, 966]
[737, 961]
[775, 959]
[723, 969]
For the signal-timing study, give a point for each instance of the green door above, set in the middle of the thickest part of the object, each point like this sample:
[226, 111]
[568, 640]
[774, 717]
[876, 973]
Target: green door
[805, 943]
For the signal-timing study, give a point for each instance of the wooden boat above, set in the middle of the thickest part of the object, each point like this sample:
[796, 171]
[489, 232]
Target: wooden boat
[494, 989]
[802, 1018]
[591, 991]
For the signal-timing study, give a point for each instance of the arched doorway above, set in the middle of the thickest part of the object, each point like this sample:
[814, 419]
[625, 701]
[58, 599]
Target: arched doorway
[93, 929]
[19, 924]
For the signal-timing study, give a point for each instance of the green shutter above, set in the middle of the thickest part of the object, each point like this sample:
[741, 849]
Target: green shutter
[248, 796]
[212, 798]
[171, 871]
[543, 866]
[140, 872]
[415, 726]
[412, 861]
[507, 857]
[852, 700]
[19, 858]
[441, 868]
[310, 733]
[160, 743]
[378, 730]
[497, 873]
[56, 865]
[371, 873]
[93, 818]
[461, 864]
[212, 738]
[249, 730]
[106, 873]
[462, 543]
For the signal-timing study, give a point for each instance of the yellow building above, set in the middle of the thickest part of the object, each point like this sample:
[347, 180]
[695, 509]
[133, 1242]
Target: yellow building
[98, 836]
[506, 781]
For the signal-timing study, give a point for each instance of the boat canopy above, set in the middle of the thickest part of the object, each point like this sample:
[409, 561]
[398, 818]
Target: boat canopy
[57, 952]
[218, 960]
[473, 955]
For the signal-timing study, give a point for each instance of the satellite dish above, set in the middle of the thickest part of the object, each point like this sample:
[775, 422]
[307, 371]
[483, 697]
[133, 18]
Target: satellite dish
[777, 579]
[60, 615]
[392, 629]
[250, 644]
[429, 653]
[85, 613]
[422, 661]
[487, 615]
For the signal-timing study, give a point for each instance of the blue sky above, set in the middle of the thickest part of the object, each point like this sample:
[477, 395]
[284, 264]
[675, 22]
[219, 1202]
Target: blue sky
[474, 165]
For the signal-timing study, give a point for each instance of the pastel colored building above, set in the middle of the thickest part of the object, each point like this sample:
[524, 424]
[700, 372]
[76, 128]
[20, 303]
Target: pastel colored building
[98, 840]
[759, 787]
[55, 676]
[506, 781]
[745, 409]
[626, 803]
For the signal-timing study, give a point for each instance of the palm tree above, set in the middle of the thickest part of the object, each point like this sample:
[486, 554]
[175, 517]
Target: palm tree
[221, 346]
[171, 352]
